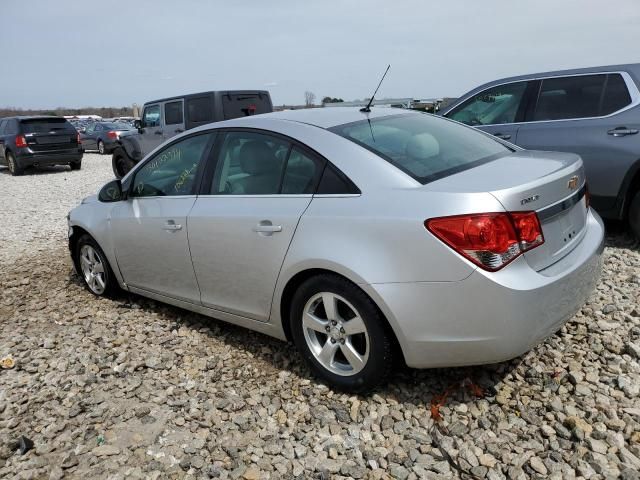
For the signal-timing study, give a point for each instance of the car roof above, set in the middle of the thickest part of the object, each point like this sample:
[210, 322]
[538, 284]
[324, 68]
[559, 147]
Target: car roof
[221, 92]
[323, 117]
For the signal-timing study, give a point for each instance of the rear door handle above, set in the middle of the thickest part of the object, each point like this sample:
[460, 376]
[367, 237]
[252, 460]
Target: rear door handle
[622, 131]
[172, 226]
[267, 228]
[503, 136]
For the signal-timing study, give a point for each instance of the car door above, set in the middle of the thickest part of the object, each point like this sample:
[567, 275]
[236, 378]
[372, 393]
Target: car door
[149, 228]
[173, 119]
[151, 134]
[244, 220]
[496, 110]
[588, 115]
[88, 137]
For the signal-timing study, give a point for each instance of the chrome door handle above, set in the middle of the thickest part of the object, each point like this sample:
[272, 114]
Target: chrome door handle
[622, 131]
[267, 228]
[503, 136]
[172, 227]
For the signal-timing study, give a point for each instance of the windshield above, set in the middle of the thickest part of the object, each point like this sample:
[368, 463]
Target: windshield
[423, 146]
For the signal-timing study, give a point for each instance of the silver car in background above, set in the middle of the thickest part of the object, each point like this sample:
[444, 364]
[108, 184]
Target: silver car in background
[359, 236]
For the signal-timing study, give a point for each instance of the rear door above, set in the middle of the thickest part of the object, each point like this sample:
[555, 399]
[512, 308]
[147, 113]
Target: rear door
[173, 118]
[151, 135]
[241, 226]
[496, 110]
[588, 115]
[49, 134]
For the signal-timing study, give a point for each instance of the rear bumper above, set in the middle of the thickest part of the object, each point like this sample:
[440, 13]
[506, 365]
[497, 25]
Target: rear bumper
[491, 317]
[29, 159]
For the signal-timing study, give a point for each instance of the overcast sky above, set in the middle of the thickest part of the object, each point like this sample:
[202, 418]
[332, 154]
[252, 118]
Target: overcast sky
[113, 53]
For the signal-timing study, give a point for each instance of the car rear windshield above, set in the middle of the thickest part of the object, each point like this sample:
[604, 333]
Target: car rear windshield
[423, 146]
[243, 105]
[116, 126]
[45, 125]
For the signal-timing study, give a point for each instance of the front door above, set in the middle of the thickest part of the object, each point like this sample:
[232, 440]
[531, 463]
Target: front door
[150, 227]
[240, 230]
[151, 134]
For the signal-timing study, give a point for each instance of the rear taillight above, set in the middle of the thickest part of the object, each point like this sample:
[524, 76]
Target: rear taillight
[78, 139]
[21, 142]
[112, 135]
[490, 240]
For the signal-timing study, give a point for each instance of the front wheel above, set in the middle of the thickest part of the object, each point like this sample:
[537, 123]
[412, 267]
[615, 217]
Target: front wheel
[101, 149]
[634, 215]
[121, 163]
[93, 267]
[341, 334]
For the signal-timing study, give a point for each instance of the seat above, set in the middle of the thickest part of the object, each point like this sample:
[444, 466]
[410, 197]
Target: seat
[262, 169]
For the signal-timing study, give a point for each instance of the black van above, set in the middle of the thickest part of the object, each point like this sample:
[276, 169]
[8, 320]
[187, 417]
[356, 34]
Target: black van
[38, 140]
[162, 119]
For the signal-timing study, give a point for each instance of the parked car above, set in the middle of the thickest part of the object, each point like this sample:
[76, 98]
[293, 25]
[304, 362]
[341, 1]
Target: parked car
[352, 234]
[594, 112]
[32, 141]
[102, 136]
[165, 118]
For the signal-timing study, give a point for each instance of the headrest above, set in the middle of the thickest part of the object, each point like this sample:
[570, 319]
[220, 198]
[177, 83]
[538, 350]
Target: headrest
[422, 146]
[256, 158]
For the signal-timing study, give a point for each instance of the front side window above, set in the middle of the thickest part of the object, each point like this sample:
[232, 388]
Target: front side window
[151, 117]
[250, 164]
[423, 146]
[173, 113]
[173, 171]
[493, 106]
[569, 97]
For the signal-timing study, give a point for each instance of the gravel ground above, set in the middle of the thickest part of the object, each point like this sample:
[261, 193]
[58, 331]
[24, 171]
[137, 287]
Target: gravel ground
[131, 388]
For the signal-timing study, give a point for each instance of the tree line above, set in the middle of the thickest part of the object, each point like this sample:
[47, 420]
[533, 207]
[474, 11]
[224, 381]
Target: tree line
[105, 112]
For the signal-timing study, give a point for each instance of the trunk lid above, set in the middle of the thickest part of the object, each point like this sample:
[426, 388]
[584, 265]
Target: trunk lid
[549, 183]
[49, 134]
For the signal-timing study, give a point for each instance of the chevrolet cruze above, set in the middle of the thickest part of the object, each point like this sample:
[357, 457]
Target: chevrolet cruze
[363, 237]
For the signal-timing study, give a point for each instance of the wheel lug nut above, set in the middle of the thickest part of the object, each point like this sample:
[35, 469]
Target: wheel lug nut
[334, 323]
[327, 328]
[333, 340]
[342, 341]
[341, 330]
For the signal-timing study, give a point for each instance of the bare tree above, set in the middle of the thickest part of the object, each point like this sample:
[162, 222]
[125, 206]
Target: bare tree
[309, 98]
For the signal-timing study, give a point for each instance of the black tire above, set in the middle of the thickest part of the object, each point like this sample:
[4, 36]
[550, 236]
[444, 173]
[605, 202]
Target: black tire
[121, 163]
[101, 149]
[111, 286]
[76, 165]
[14, 167]
[634, 215]
[379, 363]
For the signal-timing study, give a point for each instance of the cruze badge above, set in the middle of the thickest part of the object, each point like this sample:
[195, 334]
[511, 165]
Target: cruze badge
[530, 199]
[572, 184]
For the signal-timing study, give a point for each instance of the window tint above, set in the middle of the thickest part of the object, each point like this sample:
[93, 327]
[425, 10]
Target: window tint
[496, 105]
[569, 97]
[423, 146]
[251, 164]
[12, 127]
[200, 109]
[172, 171]
[151, 116]
[2, 125]
[300, 173]
[242, 105]
[173, 113]
[616, 95]
[334, 182]
[45, 125]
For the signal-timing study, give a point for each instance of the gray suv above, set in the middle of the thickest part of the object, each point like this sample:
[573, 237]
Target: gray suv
[594, 112]
[167, 117]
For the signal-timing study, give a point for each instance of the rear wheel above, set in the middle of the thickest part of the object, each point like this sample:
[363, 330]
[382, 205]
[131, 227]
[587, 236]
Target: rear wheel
[341, 333]
[93, 267]
[101, 150]
[121, 163]
[14, 167]
[634, 215]
[76, 165]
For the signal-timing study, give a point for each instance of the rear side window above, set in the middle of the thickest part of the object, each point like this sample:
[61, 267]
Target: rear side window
[173, 113]
[334, 182]
[2, 125]
[11, 127]
[242, 105]
[423, 146]
[496, 105]
[45, 125]
[569, 97]
[200, 109]
[301, 173]
[616, 95]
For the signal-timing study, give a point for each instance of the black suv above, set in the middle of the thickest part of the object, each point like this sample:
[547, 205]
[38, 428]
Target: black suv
[37, 141]
[165, 118]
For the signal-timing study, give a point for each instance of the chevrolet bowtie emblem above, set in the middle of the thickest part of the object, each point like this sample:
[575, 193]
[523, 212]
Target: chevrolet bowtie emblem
[572, 184]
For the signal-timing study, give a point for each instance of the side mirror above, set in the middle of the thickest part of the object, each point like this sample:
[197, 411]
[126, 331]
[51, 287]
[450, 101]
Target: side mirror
[111, 192]
[137, 124]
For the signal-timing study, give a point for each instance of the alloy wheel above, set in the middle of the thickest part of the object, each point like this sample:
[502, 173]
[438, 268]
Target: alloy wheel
[101, 148]
[335, 334]
[92, 269]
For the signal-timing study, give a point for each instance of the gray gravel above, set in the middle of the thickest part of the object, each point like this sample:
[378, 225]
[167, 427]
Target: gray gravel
[130, 388]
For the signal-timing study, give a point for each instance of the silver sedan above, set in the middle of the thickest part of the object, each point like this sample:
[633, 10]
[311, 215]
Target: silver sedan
[366, 238]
